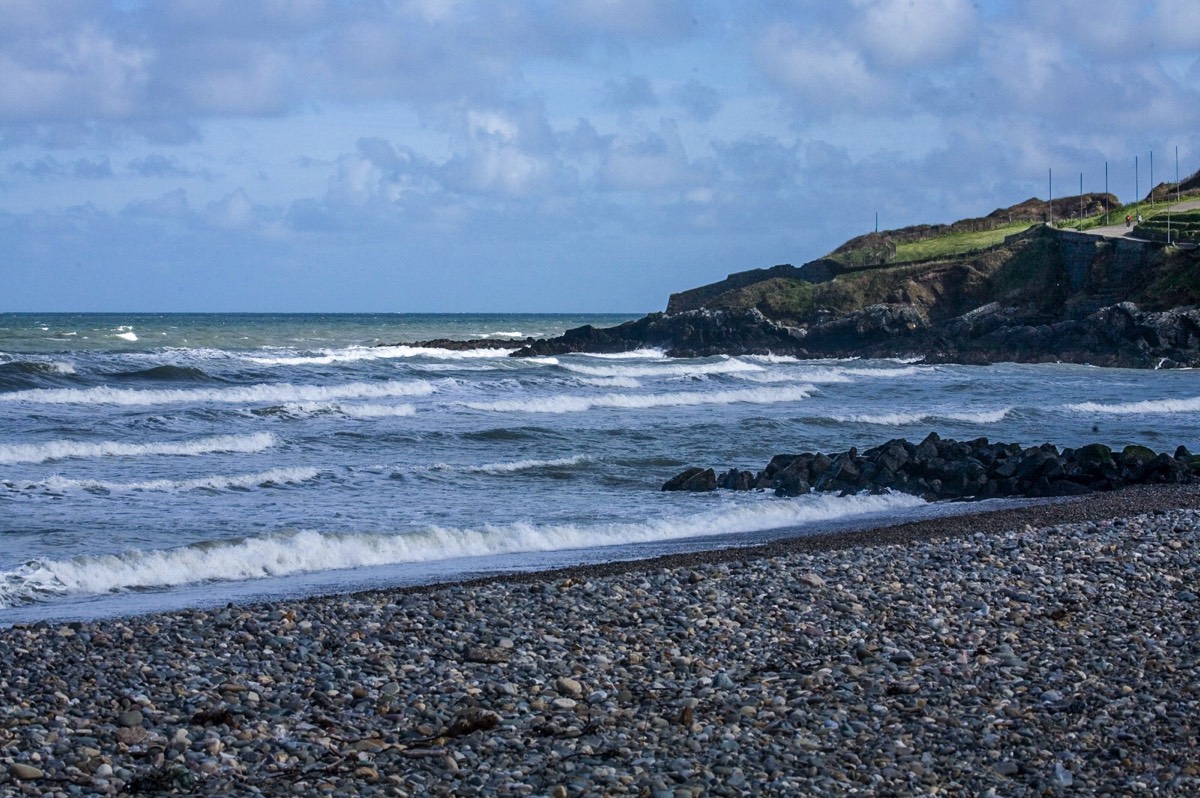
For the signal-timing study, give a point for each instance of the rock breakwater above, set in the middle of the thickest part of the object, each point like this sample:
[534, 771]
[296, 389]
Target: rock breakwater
[938, 468]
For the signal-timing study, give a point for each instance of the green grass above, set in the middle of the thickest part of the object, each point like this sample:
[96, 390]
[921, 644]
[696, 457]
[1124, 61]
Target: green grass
[955, 243]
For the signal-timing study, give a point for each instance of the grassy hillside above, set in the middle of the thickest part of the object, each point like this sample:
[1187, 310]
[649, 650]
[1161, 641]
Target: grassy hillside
[1022, 265]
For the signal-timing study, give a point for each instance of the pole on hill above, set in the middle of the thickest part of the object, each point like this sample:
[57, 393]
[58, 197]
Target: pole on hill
[1050, 202]
[1106, 208]
[1137, 186]
[1081, 200]
[1176, 194]
[1151, 178]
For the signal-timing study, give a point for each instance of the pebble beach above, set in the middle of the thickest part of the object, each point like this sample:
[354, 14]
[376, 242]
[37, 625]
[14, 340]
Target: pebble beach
[1046, 650]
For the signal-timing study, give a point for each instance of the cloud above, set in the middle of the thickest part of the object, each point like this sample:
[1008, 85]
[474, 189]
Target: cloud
[630, 93]
[652, 162]
[83, 168]
[170, 206]
[162, 166]
[908, 34]
[630, 18]
[822, 74]
[700, 101]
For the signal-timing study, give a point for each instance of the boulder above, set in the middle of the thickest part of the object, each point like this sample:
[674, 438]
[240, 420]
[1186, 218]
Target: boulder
[697, 480]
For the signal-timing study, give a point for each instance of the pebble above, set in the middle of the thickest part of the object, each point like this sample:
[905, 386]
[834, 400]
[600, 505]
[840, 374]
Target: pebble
[855, 671]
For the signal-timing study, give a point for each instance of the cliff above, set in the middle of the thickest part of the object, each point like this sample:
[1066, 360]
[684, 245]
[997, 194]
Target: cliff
[995, 288]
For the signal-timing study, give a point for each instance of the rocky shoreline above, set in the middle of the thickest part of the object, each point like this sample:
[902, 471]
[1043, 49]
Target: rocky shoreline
[1119, 335]
[1039, 650]
[939, 469]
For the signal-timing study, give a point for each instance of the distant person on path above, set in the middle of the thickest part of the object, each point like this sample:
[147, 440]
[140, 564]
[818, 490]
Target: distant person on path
[1128, 219]
[1139, 218]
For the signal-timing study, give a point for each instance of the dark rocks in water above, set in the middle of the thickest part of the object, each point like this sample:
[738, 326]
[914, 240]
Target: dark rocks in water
[695, 333]
[456, 345]
[938, 468]
[1117, 335]
[693, 479]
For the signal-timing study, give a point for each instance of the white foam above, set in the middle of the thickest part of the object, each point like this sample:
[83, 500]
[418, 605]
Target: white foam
[308, 551]
[677, 369]
[577, 404]
[348, 409]
[250, 394]
[509, 467]
[504, 334]
[636, 354]
[359, 353]
[610, 382]
[823, 376]
[59, 450]
[900, 419]
[126, 336]
[279, 476]
[367, 411]
[1138, 408]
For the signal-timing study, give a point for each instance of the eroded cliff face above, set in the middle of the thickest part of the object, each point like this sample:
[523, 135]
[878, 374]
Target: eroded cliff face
[1059, 273]
[1042, 295]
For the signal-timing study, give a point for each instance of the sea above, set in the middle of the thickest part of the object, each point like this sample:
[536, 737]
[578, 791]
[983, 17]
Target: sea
[153, 462]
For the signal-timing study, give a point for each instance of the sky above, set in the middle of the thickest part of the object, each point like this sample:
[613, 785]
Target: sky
[537, 156]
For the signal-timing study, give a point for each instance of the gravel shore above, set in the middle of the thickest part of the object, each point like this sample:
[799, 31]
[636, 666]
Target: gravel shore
[1039, 651]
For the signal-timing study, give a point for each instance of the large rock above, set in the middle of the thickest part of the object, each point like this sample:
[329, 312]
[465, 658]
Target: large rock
[697, 480]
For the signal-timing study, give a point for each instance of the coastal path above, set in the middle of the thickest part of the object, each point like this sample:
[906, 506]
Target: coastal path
[1121, 231]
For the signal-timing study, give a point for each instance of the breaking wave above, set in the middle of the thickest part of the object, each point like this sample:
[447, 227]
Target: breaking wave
[578, 404]
[350, 410]
[275, 476]
[901, 419]
[360, 353]
[250, 394]
[514, 466]
[287, 553]
[731, 366]
[61, 450]
[1137, 408]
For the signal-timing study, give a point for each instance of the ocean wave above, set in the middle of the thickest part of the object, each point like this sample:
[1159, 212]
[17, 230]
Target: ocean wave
[167, 373]
[1138, 408]
[286, 553]
[675, 369]
[609, 382]
[19, 375]
[60, 450]
[576, 404]
[901, 419]
[275, 476]
[514, 465]
[350, 410]
[250, 394]
[636, 354]
[36, 367]
[822, 376]
[359, 353]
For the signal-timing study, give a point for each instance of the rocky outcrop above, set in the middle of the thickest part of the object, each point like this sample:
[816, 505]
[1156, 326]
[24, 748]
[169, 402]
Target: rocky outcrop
[1119, 335]
[938, 469]
[464, 346]
[698, 333]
